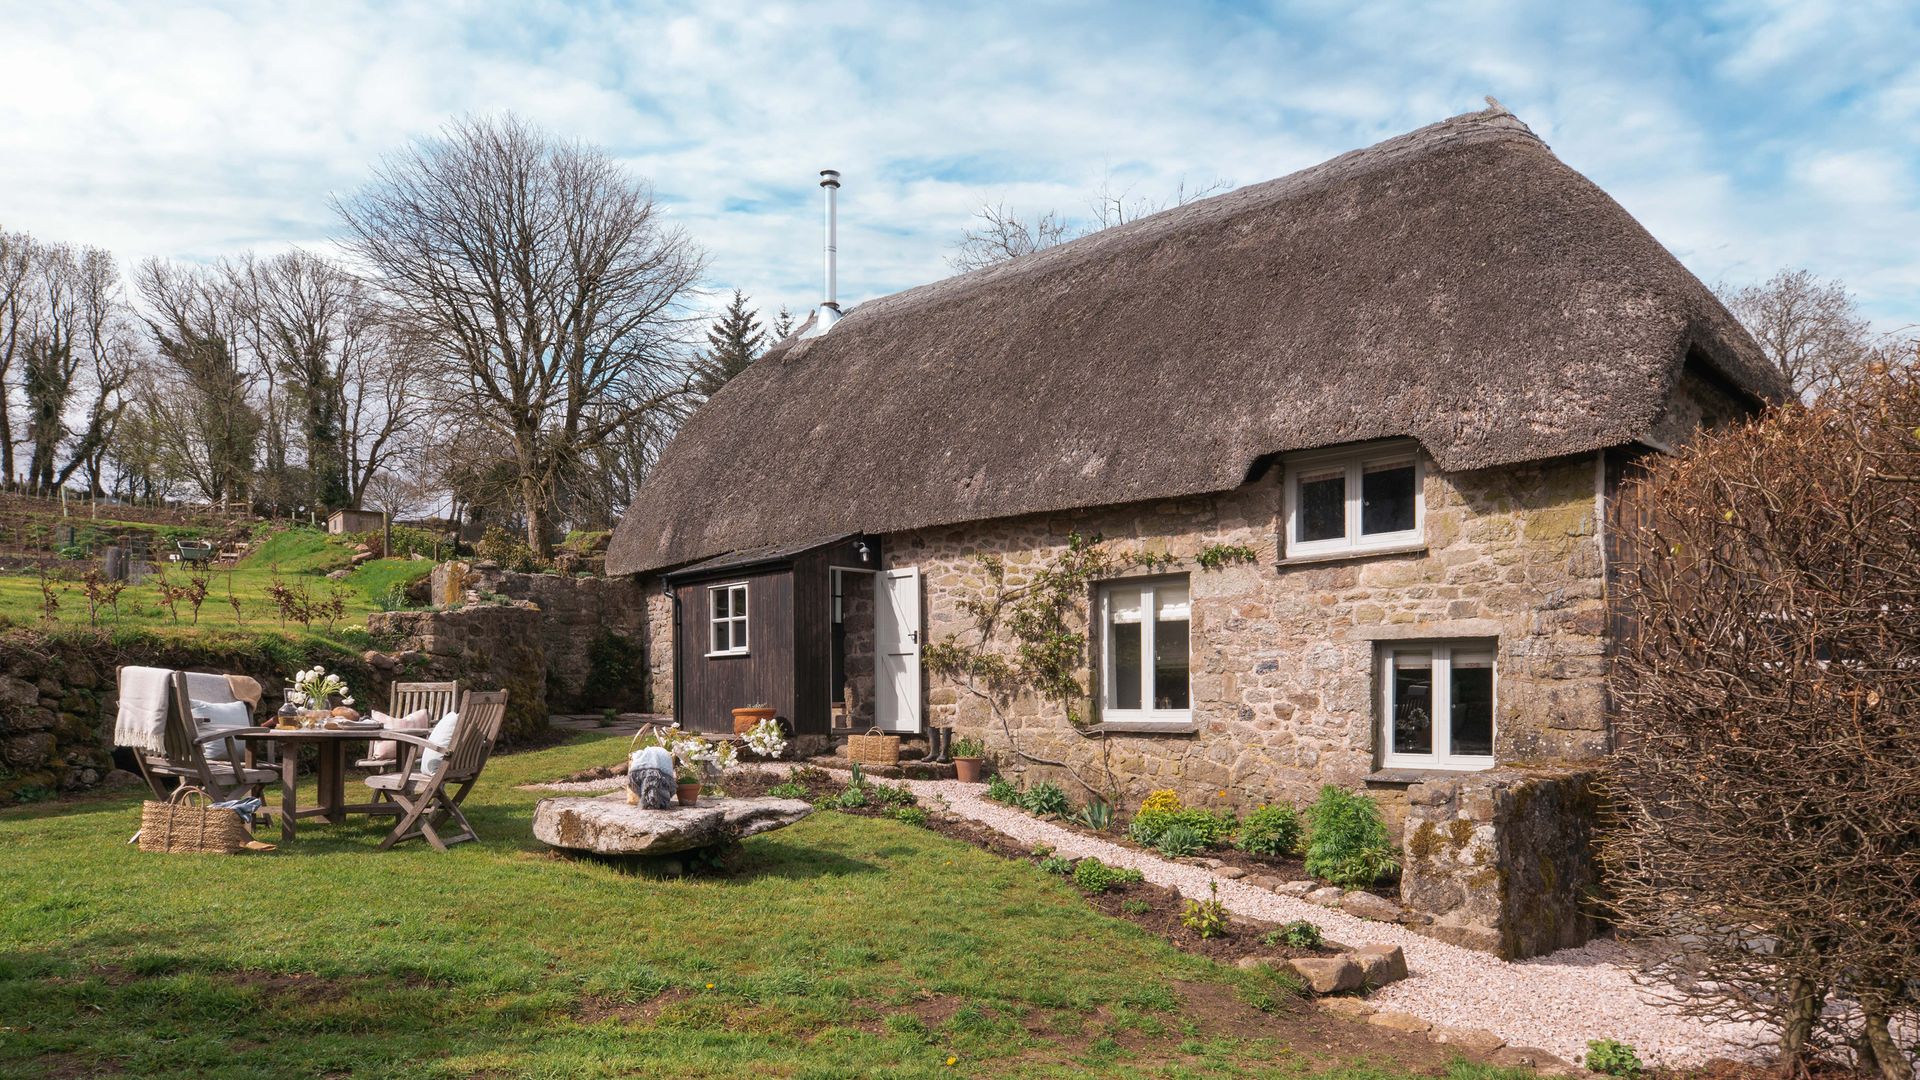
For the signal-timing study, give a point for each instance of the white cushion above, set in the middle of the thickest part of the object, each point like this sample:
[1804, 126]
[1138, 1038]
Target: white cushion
[442, 734]
[209, 715]
[388, 749]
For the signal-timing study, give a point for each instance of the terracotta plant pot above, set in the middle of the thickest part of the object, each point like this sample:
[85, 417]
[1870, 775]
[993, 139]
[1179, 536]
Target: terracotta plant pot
[744, 719]
[689, 794]
[967, 769]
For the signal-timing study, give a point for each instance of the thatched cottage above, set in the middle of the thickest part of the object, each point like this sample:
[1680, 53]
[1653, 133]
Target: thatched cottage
[1407, 380]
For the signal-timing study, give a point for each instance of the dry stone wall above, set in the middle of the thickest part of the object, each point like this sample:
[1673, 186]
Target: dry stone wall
[1504, 860]
[580, 614]
[1284, 654]
[489, 646]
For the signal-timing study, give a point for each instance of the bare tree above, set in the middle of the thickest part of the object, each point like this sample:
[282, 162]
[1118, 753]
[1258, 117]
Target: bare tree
[16, 266]
[329, 353]
[550, 286]
[74, 350]
[200, 405]
[1812, 330]
[1001, 234]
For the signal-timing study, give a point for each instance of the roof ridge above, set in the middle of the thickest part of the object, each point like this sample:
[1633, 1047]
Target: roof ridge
[1496, 121]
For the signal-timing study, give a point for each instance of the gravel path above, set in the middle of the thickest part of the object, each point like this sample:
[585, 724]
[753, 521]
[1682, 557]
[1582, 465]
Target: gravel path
[1555, 1003]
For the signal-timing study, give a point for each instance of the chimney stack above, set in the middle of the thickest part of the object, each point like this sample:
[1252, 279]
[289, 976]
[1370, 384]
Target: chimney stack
[829, 311]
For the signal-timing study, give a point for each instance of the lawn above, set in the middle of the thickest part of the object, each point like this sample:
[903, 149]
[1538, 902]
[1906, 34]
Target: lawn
[297, 557]
[839, 947]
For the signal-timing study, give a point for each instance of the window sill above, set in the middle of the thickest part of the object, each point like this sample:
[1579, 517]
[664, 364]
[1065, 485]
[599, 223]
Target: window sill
[1144, 727]
[1416, 548]
[1403, 776]
[727, 653]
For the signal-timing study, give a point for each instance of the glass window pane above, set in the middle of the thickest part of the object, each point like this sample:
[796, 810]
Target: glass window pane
[1323, 506]
[1170, 664]
[721, 642]
[722, 602]
[739, 601]
[1472, 714]
[1412, 703]
[1124, 641]
[1169, 602]
[1386, 499]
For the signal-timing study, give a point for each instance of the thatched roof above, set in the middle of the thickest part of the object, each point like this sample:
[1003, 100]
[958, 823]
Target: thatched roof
[1457, 284]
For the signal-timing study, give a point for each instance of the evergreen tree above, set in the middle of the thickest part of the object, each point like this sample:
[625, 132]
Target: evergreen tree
[732, 344]
[782, 325]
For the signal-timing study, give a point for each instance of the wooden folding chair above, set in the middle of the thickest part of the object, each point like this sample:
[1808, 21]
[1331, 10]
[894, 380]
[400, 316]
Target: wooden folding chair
[236, 777]
[437, 698]
[425, 801]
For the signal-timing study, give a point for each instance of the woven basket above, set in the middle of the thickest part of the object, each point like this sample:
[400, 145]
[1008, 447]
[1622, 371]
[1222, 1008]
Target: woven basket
[178, 825]
[874, 748]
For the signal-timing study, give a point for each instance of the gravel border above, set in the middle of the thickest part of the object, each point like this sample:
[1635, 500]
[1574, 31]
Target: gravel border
[1555, 1003]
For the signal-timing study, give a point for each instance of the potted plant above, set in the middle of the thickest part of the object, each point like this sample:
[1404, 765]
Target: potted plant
[689, 789]
[746, 717]
[968, 756]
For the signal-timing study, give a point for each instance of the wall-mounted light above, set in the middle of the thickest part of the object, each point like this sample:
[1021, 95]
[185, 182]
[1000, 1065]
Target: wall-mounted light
[861, 549]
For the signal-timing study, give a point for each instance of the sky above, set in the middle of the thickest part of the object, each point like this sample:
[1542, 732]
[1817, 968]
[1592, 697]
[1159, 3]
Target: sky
[1746, 136]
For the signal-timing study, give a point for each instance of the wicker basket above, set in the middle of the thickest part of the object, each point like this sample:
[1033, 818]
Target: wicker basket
[179, 825]
[874, 748]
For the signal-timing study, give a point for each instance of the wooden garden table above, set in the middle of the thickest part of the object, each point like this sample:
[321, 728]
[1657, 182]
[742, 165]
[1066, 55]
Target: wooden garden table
[330, 775]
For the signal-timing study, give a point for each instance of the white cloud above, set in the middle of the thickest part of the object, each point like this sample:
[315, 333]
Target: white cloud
[1746, 136]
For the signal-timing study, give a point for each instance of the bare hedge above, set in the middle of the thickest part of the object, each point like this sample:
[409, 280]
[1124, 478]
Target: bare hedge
[1767, 769]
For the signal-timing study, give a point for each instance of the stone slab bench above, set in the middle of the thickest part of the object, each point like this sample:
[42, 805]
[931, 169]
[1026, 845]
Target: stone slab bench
[608, 826]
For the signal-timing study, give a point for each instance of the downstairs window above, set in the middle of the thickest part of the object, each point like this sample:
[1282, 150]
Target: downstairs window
[1437, 706]
[1144, 652]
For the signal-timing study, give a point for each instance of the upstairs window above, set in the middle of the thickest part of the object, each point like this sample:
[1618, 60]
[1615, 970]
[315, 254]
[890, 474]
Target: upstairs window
[727, 618]
[1437, 706]
[1144, 651]
[1354, 502]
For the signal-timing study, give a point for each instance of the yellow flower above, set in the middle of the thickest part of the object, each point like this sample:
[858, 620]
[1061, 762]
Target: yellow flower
[709, 986]
[1221, 794]
[953, 1060]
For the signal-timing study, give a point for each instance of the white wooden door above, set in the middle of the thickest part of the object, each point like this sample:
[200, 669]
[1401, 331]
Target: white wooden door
[896, 648]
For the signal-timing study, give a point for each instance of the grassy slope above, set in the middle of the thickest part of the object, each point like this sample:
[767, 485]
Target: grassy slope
[332, 958]
[299, 556]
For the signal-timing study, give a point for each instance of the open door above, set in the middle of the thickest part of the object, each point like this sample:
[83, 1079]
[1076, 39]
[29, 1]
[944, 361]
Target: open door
[896, 705]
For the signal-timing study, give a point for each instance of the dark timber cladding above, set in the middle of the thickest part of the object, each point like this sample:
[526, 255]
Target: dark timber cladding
[786, 663]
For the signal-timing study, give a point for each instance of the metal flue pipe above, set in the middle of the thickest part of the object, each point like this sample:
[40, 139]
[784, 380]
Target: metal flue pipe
[829, 310]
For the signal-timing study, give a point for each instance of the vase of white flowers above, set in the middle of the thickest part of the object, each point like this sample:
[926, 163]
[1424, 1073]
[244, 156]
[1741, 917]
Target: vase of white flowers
[697, 760]
[766, 739]
[315, 689]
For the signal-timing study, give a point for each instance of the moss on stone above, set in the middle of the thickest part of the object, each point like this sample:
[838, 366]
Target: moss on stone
[1424, 841]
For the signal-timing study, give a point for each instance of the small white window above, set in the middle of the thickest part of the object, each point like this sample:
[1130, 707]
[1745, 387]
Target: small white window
[1144, 651]
[1354, 502]
[727, 617]
[1437, 706]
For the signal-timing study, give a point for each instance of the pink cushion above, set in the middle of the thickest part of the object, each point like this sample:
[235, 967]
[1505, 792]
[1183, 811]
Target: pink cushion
[387, 749]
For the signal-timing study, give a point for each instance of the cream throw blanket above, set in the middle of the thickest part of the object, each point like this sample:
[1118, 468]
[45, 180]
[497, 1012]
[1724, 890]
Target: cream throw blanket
[142, 721]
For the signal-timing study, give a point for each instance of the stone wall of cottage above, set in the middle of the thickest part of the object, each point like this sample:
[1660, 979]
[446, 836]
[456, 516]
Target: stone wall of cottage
[857, 593]
[657, 649]
[1284, 654]
[487, 646]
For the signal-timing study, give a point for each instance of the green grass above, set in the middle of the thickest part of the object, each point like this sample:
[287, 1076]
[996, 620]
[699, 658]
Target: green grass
[299, 556]
[839, 947]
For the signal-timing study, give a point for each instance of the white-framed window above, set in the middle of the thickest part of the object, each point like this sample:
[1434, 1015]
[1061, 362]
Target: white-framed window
[1436, 705]
[1355, 501]
[727, 619]
[1144, 650]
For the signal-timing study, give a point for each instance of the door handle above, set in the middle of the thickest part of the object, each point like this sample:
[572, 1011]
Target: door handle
[913, 636]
